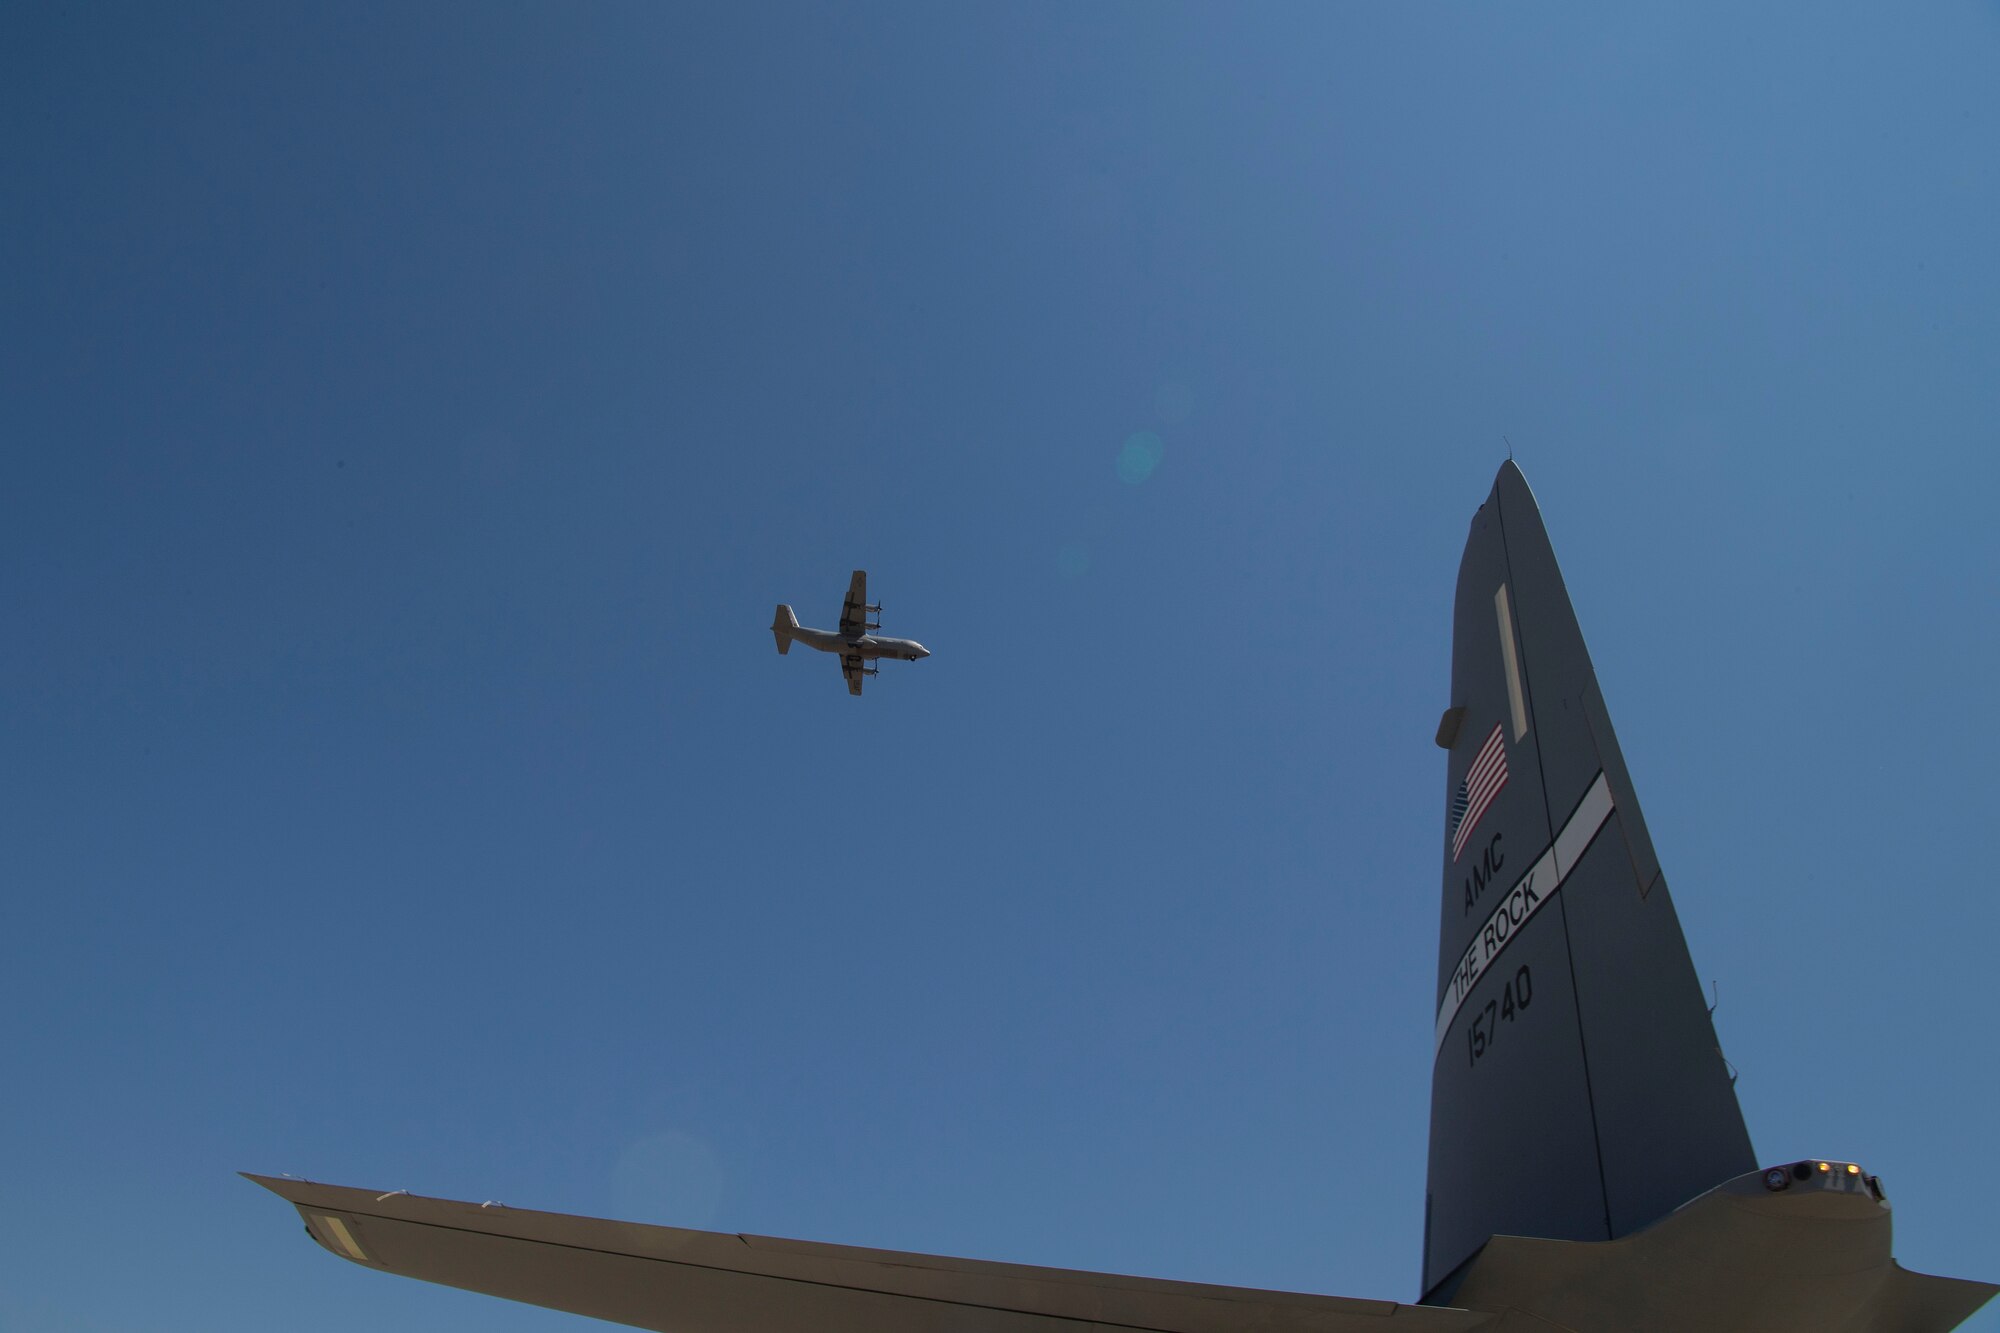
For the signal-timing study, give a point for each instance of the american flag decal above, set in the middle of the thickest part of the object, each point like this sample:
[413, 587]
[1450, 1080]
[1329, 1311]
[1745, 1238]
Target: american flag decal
[1476, 790]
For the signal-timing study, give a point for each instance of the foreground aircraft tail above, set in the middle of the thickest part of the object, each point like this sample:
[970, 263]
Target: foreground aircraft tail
[1577, 1090]
[1589, 1169]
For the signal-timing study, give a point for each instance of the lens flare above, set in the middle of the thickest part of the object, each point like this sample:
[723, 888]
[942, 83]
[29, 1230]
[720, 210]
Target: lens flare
[1140, 456]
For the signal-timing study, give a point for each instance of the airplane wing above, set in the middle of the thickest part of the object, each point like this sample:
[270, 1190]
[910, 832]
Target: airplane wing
[854, 611]
[677, 1281]
[852, 668]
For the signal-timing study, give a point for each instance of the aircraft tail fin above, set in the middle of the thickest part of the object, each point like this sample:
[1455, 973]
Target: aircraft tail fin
[782, 625]
[1577, 1090]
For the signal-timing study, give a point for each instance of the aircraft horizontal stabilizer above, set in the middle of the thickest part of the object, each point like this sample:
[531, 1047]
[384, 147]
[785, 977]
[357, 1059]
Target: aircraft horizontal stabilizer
[1925, 1301]
[665, 1278]
[1771, 1251]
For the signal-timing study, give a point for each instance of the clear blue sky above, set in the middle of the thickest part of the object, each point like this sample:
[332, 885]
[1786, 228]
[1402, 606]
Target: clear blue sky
[410, 420]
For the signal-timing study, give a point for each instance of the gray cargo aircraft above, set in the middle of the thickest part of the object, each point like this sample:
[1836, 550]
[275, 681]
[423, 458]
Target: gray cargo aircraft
[855, 640]
[1570, 1027]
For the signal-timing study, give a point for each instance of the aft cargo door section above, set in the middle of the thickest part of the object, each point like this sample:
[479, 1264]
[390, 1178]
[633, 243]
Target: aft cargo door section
[1513, 1147]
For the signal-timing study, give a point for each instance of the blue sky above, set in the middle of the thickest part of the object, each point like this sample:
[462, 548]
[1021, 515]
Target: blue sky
[411, 419]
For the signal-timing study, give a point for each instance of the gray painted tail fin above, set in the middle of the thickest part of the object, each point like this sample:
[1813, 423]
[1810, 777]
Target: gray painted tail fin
[782, 625]
[1577, 1090]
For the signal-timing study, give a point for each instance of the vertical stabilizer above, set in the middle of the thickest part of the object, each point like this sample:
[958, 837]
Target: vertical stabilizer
[1577, 1091]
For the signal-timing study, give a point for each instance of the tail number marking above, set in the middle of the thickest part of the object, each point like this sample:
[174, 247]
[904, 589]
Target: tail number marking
[1514, 1001]
[1529, 895]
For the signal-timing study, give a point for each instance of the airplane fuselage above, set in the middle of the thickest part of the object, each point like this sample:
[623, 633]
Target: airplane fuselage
[867, 646]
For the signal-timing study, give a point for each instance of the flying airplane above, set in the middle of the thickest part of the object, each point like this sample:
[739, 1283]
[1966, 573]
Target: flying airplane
[855, 640]
[1590, 1171]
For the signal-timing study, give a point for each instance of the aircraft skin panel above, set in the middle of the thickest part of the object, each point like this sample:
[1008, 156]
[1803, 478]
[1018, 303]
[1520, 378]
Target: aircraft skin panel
[678, 1281]
[1637, 842]
[1668, 1126]
[1530, 1155]
[1577, 739]
[1667, 1118]
[1604, 1103]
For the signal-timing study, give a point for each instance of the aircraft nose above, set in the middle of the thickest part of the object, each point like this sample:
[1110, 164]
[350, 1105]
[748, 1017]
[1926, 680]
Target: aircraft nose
[922, 652]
